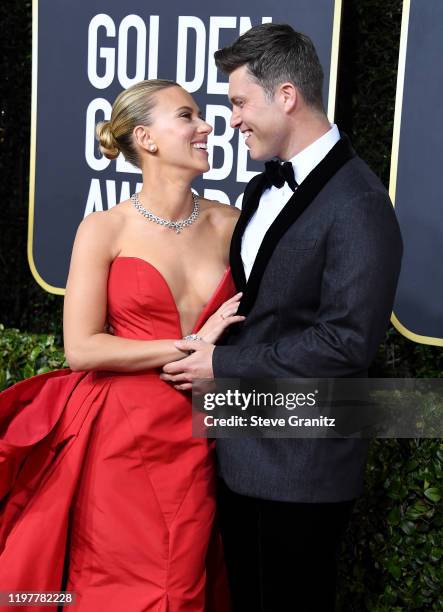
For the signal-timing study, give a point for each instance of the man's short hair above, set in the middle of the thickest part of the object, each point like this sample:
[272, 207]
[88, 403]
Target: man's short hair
[274, 54]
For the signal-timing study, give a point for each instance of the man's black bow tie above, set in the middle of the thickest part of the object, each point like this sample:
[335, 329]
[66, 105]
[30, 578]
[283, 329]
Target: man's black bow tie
[278, 174]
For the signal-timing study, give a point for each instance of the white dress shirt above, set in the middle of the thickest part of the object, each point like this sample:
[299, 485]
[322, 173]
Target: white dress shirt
[273, 199]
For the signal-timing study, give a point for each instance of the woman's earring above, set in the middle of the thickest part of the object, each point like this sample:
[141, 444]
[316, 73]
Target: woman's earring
[152, 148]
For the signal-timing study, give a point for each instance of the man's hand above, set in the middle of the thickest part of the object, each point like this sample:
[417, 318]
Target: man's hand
[198, 365]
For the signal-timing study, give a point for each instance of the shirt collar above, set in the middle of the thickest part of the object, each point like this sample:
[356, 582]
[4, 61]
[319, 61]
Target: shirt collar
[305, 161]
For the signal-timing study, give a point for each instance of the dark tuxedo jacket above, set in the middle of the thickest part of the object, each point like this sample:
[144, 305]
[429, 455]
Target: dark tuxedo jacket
[317, 304]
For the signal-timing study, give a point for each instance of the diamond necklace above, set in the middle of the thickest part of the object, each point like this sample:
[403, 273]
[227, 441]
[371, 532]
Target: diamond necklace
[175, 225]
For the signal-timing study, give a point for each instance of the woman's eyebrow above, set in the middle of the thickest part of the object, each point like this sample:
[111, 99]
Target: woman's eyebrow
[188, 108]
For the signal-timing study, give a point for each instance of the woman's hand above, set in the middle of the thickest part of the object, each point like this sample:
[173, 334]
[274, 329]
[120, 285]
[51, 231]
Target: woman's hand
[222, 318]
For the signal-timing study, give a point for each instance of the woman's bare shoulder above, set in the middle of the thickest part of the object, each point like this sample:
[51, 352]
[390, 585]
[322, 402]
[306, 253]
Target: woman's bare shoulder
[223, 217]
[219, 211]
[100, 230]
[106, 220]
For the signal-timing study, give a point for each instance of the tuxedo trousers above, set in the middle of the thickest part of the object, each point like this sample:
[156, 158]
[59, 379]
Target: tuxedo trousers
[281, 556]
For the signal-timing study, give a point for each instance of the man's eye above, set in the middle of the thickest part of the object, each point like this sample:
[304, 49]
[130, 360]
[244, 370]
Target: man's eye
[186, 115]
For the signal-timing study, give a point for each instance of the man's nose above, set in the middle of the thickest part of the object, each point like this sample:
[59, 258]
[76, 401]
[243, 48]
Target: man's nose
[235, 119]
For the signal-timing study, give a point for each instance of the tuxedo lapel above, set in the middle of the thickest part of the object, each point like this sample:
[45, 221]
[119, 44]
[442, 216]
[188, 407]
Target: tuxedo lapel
[308, 190]
[251, 200]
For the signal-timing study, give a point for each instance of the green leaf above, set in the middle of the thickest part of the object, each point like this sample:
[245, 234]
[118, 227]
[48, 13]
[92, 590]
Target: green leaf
[35, 353]
[417, 510]
[412, 465]
[433, 494]
[394, 570]
[28, 371]
[407, 527]
[43, 370]
[394, 516]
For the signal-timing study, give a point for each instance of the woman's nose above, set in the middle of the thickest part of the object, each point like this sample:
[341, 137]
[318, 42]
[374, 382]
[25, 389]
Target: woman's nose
[206, 128]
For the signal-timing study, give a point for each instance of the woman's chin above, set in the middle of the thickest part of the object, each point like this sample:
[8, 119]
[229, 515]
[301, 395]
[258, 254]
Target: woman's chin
[196, 169]
[203, 167]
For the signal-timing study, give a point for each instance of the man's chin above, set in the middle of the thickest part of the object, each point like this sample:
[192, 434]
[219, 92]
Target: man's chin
[257, 155]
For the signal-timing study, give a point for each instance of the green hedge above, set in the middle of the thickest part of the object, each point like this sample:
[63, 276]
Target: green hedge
[392, 555]
[25, 355]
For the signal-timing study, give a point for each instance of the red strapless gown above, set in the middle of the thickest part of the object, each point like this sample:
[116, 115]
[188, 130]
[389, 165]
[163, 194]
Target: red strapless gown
[104, 488]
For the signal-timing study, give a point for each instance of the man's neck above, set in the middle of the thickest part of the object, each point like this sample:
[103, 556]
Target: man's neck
[306, 130]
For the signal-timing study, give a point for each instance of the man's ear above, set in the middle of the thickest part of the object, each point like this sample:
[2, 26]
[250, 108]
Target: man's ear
[288, 96]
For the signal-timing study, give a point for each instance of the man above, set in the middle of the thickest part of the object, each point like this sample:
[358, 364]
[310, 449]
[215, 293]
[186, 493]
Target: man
[317, 259]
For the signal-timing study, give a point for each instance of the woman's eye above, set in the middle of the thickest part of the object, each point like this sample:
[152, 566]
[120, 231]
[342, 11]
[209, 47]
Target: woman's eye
[186, 115]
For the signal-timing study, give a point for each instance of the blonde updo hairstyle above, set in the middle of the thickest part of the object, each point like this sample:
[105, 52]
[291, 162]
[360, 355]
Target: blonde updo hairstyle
[132, 107]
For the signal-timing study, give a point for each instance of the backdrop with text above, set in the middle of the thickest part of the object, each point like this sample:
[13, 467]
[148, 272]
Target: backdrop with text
[85, 54]
[417, 159]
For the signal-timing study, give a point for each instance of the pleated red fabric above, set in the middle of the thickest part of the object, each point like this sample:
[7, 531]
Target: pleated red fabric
[104, 490]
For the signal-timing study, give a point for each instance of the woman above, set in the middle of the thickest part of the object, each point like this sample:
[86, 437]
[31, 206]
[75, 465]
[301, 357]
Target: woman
[99, 460]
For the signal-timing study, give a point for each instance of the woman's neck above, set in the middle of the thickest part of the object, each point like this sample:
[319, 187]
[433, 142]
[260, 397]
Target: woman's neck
[168, 197]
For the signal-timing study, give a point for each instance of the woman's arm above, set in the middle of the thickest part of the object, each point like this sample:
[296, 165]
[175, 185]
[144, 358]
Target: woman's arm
[87, 347]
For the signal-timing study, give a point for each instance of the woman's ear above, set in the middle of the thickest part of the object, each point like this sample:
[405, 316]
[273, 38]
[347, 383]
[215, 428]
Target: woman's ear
[143, 138]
